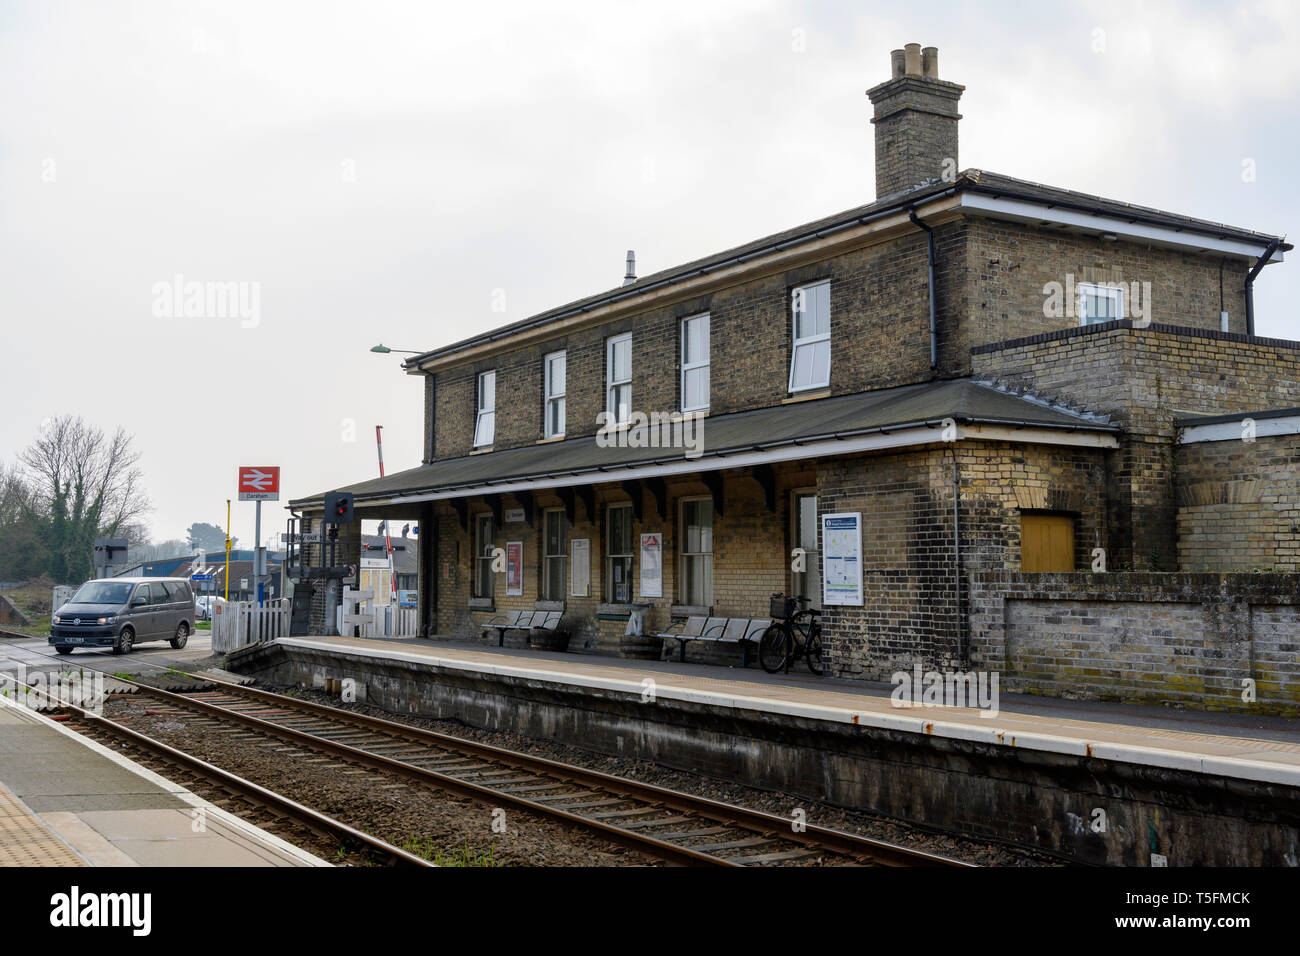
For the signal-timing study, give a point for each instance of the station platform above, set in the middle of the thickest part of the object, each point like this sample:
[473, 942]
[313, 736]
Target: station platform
[1261, 749]
[68, 801]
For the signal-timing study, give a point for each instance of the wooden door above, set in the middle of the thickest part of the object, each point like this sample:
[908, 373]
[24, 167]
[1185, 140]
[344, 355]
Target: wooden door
[1046, 542]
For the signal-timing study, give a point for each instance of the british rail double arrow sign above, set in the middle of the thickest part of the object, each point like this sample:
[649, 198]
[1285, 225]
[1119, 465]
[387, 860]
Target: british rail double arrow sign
[260, 483]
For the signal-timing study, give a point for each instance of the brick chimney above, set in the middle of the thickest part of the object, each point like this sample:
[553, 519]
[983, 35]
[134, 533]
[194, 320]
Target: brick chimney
[916, 121]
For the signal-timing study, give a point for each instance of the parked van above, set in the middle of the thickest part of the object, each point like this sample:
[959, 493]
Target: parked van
[122, 612]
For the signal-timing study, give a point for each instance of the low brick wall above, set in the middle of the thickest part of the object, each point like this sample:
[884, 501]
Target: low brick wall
[1189, 639]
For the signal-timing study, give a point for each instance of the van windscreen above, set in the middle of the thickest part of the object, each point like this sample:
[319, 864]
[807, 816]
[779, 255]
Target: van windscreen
[102, 592]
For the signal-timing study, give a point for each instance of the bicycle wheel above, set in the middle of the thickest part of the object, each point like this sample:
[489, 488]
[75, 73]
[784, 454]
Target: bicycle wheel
[813, 650]
[774, 648]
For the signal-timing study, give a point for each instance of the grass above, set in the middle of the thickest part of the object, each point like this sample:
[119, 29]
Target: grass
[462, 856]
[202, 625]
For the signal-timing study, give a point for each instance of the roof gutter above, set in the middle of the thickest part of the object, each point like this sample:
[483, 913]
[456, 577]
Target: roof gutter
[1250, 284]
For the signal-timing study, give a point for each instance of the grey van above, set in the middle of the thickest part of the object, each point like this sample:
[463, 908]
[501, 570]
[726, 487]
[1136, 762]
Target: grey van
[122, 612]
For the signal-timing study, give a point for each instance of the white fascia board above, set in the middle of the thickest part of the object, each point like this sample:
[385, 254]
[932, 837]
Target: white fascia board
[880, 441]
[1020, 210]
[1233, 431]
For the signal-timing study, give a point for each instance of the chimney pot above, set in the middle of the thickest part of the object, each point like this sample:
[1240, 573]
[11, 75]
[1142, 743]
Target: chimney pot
[897, 63]
[930, 62]
[912, 59]
[630, 275]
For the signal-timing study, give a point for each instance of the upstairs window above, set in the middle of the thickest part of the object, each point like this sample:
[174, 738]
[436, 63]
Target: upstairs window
[695, 363]
[1099, 303]
[486, 421]
[554, 411]
[810, 363]
[618, 378]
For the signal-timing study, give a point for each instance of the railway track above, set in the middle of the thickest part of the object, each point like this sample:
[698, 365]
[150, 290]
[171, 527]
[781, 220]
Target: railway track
[256, 804]
[663, 824]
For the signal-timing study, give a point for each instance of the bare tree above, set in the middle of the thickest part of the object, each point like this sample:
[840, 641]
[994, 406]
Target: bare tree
[87, 484]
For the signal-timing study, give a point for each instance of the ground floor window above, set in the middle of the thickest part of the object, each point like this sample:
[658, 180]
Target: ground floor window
[618, 554]
[483, 545]
[1046, 542]
[555, 546]
[808, 582]
[695, 572]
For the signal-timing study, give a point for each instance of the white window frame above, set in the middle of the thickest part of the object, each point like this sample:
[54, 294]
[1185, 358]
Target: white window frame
[798, 297]
[562, 555]
[801, 581]
[483, 547]
[683, 554]
[611, 384]
[625, 558]
[552, 397]
[1086, 290]
[688, 366]
[483, 413]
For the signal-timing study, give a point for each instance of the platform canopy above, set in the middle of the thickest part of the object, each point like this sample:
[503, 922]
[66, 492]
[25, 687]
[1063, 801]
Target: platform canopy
[906, 416]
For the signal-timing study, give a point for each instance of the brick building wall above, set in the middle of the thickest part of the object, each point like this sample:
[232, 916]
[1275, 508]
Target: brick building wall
[1194, 639]
[879, 339]
[1239, 505]
[911, 609]
[992, 275]
[1144, 379]
[751, 547]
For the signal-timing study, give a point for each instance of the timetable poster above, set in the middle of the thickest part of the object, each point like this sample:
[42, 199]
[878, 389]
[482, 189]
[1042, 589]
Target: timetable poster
[842, 559]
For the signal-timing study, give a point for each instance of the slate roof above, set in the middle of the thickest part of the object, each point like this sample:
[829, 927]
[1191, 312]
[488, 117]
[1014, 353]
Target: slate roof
[844, 416]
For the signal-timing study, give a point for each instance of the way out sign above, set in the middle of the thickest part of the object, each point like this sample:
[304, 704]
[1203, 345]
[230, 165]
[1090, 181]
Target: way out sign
[259, 483]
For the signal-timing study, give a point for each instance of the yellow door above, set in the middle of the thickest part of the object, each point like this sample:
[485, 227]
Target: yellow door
[1046, 543]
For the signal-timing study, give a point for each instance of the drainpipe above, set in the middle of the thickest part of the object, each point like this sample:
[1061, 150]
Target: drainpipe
[956, 559]
[1250, 284]
[929, 237]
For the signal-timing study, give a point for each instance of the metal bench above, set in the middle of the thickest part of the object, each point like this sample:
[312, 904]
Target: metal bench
[513, 621]
[720, 630]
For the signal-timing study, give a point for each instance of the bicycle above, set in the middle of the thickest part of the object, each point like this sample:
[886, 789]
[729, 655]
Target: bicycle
[795, 632]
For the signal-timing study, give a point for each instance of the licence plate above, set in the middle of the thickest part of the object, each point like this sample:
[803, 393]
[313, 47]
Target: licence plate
[72, 640]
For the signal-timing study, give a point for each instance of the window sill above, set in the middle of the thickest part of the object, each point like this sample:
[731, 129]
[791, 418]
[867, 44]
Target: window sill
[482, 604]
[548, 605]
[547, 441]
[481, 451]
[807, 396]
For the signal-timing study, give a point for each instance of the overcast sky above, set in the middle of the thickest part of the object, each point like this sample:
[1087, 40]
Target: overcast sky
[377, 171]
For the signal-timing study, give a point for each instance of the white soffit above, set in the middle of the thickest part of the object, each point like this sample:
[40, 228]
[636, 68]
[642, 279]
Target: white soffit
[1019, 210]
[1236, 430]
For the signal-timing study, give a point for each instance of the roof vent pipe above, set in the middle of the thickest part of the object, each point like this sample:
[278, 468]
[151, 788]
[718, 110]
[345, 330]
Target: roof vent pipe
[630, 276]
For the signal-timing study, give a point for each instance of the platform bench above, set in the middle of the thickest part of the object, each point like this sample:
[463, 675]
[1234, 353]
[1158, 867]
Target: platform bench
[719, 630]
[513, 621]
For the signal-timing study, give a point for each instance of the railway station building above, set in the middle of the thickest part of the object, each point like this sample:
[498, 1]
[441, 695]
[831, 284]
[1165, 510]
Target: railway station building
[1070, 456]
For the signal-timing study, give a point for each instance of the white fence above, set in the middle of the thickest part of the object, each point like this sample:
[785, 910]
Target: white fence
[237, 623]
[375, 620]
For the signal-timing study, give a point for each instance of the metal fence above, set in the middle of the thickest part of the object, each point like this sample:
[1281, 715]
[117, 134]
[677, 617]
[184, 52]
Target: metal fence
[237, 623]
[375, 620]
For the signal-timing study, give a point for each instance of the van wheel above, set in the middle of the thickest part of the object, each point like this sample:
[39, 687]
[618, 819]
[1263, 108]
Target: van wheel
[182, 635]
[124, 641]
[63, 650]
